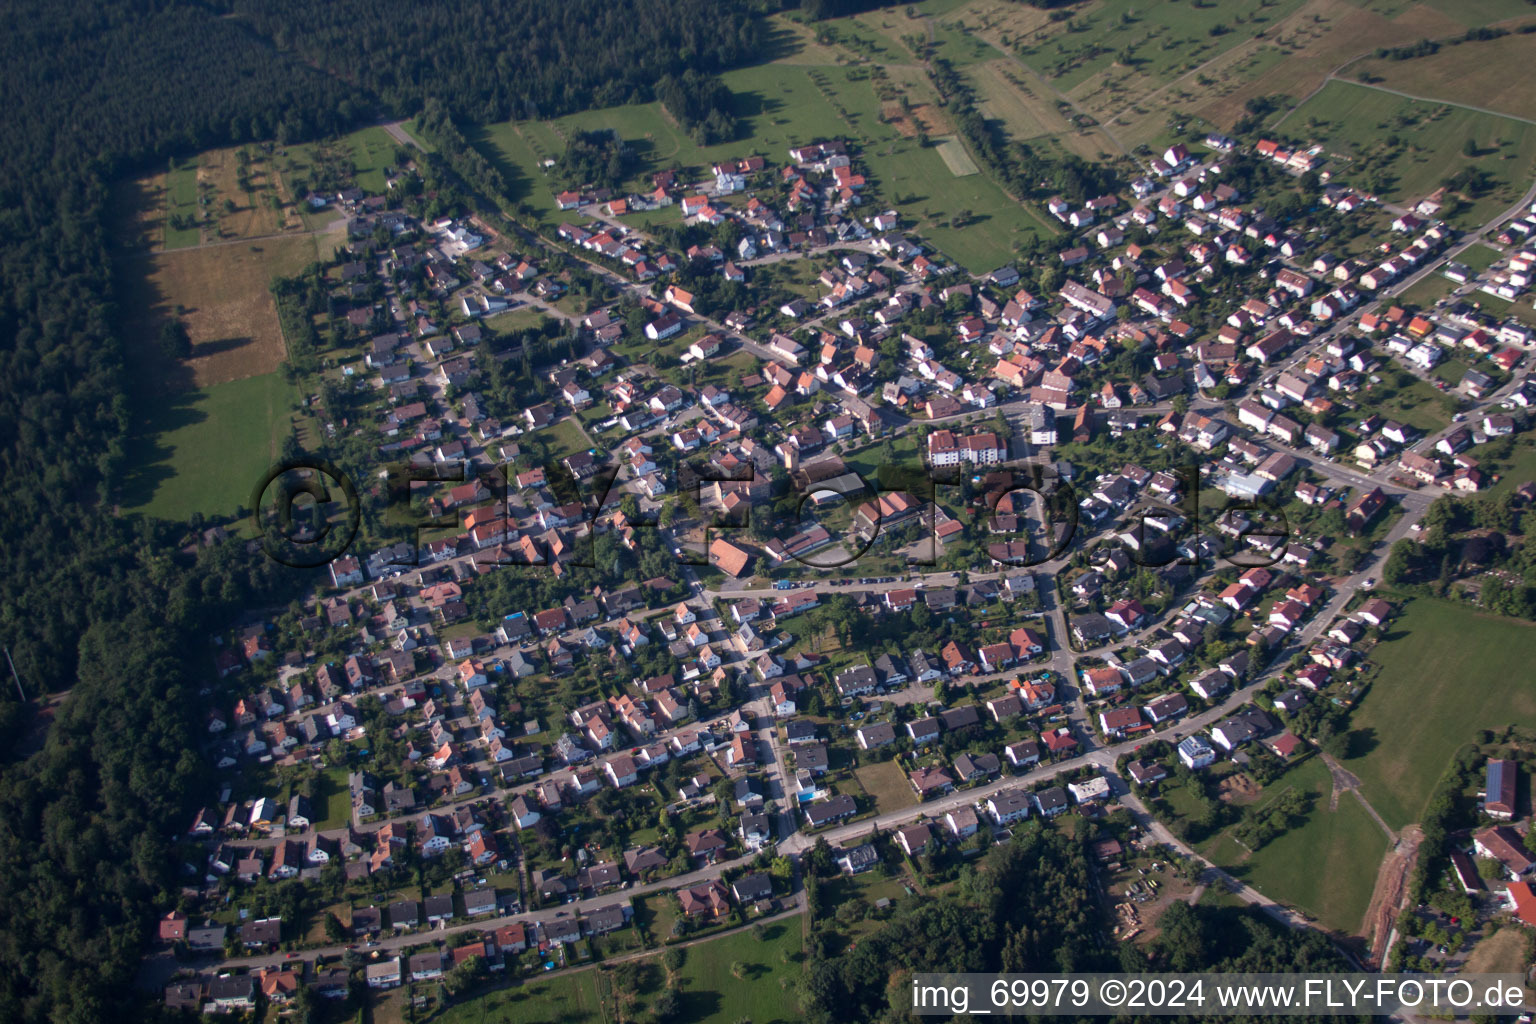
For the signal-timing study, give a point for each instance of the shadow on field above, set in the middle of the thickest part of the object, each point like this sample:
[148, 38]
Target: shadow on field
[210, 348]
[148, 455]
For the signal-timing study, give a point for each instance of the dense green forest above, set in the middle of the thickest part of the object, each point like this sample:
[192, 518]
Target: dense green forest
[530, 59]
[88, 603]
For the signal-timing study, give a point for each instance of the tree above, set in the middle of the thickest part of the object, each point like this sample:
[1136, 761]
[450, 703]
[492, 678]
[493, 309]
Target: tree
[665, 1005]
[175, 342]
[819, 860]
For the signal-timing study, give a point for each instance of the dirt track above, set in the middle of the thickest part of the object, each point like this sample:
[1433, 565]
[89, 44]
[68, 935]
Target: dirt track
[1387, 898]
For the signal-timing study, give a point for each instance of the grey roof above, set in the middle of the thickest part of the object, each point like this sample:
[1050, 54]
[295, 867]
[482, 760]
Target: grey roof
[830, 810]
[755, 886]
[479, 901]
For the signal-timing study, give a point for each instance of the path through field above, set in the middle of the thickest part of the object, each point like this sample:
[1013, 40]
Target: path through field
[1390, 891]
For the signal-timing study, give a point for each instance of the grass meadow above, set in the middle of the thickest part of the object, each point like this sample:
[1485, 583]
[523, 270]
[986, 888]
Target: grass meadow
[203, 449]
[1446, 672]
[1326, 866]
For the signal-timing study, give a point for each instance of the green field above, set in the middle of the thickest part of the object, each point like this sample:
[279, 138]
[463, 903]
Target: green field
[1513, 468]
[1326, 866]
[563, 438]
[1447, 671]
[712, 995]
[1426, 291]
[333, 806]
[373, 149]
[1402, 148]
[1419, 405]
[1479, 257]
[181, 199]
[956, 157]
[569, 997]
[1521, 310]
[517, 319]
[202, 450]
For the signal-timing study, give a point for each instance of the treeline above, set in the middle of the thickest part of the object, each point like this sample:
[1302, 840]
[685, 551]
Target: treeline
[455, 156]
[702, 105]
[499, 60]
[84, 103]
[1023, 172]
[818, 10]
[1430, 47]
[1422, 48]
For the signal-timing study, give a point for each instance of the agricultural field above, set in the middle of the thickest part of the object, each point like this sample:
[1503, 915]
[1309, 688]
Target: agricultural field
[1325, 866]
[201, 450]
[245, 193]
[1446, 672]
[219, 195]
[1017, 100]
[222, 295]
[1118, 63]
[1135, 71]
[1402, 149]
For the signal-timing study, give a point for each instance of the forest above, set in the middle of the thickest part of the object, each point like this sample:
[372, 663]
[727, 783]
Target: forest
[531, 59]
[91, 787]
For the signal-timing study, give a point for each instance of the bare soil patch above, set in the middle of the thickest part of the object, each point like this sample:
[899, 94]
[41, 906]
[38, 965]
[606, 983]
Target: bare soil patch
[924, 117]
[1387, 896]
[1237, 789]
